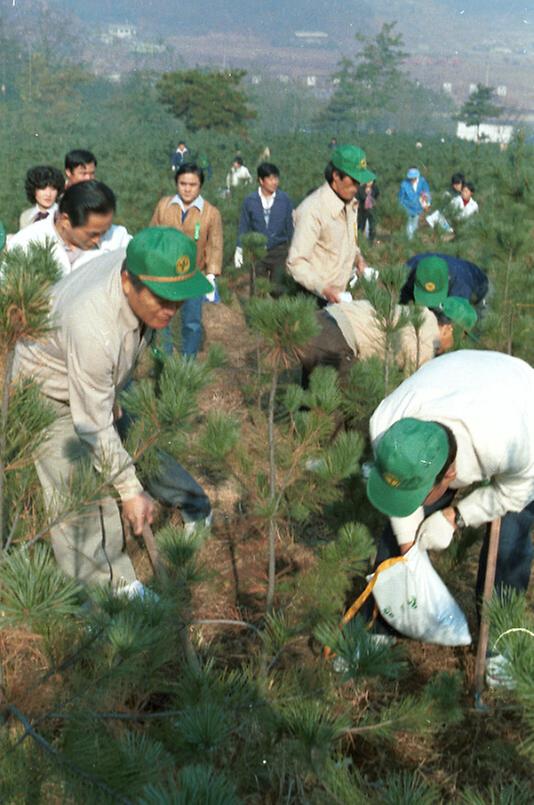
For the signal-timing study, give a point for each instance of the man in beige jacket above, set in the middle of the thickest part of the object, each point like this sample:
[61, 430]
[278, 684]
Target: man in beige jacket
[324, 252]
[189, 212]
[104, 317]
[353, 330]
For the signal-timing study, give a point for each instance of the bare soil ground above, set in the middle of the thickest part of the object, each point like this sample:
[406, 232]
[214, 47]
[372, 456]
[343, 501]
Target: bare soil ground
[479, 752]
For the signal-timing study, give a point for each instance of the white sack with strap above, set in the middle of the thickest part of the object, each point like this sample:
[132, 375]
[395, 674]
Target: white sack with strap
[414, 600]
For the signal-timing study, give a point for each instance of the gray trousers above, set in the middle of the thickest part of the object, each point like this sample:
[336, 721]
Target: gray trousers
[89, 544]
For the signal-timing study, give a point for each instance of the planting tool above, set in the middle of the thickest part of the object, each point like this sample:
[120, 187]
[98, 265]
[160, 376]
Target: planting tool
[489, 581]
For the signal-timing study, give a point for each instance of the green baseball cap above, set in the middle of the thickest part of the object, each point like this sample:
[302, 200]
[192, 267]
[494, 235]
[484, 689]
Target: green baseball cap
[351, 160]
[431, 282]
[460, 312]
[164, 259]
[408, 458]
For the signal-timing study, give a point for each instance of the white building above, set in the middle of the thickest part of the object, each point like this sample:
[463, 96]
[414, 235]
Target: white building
[123, 31]
[487, 133]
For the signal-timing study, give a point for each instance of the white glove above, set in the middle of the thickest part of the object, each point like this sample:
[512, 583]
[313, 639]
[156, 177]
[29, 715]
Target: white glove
[238, 257]
[211, 297]
[370, 273]
[435, 533]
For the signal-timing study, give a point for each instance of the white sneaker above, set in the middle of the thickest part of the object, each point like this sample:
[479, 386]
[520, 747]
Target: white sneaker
[498, 672]
[136, 590]
[341, 666]
[314, 464]
[192, 526]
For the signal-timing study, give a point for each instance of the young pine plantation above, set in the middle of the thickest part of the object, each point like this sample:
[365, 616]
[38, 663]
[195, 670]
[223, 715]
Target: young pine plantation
[218, 691]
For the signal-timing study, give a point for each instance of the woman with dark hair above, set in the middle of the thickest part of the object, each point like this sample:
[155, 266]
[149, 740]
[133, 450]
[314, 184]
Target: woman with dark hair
[43, 185]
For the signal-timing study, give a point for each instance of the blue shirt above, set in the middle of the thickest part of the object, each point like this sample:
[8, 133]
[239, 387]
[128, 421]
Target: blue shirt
[465, 279]
[277, 226]
[410, 198]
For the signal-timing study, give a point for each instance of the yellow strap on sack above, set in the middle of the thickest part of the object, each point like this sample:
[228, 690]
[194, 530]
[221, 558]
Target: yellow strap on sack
[362, 598]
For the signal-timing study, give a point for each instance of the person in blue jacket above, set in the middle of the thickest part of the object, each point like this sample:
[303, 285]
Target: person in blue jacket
[269, 211]
[433, 276]
[414, 196]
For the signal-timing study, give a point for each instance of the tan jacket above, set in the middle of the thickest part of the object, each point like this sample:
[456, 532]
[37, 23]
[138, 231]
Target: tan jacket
[87, 358]
[210, 239]
[361, 329]
[324, 247]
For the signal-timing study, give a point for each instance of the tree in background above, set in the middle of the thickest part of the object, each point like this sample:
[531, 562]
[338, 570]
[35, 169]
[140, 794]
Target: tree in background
[206, 100]
[370, 83]
[372, 92]
[479, 107]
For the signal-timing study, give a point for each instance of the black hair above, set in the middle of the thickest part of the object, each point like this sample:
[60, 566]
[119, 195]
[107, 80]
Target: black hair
[440, 316]
[239, 160]
[42, 176]
[469, 185]
[457, 178]
[137, 284]
[78, 157]
[190, 167]
[329, 172]
[451, 455]
[84, 198]
[266, 169]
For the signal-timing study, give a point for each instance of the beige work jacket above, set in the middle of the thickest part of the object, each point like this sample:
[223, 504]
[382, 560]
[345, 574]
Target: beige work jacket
[87, 358]
[361, 329]
[324, 247]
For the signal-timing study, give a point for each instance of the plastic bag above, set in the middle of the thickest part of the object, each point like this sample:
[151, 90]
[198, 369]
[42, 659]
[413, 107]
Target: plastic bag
[414, 600]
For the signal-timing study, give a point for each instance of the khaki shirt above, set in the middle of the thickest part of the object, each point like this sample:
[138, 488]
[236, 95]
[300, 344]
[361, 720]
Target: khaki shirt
[210, 234]
[324, 247]
[87, 358]
[361, 329]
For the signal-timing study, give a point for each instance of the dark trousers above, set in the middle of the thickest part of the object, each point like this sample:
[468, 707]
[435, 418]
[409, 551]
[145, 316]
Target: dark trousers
[273, 266]
[328, 348]
[514, 558]
[364, 217]
[170, 483]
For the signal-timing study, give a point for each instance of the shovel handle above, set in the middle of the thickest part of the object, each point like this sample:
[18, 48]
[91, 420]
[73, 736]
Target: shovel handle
[489, 581]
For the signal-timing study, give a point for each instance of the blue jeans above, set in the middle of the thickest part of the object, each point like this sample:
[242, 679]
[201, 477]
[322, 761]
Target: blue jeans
[166, 340]
[411, 225]
[191, 314]
[514, 558]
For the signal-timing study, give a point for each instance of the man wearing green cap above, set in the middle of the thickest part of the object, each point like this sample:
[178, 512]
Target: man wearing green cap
[434, 276]
[104, 316]
[353, 330]
[463, 420]
[324, 250]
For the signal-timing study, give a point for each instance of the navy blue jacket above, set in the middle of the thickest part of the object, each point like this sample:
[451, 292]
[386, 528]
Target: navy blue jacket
[465, 278]
[280, 228]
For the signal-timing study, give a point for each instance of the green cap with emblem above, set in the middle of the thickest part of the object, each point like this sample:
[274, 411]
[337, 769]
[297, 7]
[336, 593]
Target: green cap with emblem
[408, 458]
[164, 259]
[351, 160]
[431, 281]
[460, 312]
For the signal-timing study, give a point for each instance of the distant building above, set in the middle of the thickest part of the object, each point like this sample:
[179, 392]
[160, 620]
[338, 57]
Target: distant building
[148, 48]
[487, 133]
[311, 37]
[123, 31]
